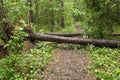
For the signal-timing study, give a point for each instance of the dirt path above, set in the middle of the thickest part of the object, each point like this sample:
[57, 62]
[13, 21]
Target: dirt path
[68, 65]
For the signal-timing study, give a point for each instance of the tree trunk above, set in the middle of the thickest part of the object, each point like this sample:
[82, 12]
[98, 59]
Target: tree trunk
[6, 27]
[65, 34]
[62, 14]
[115, 34]
[76, 34]
[95, 42]
[52, 21]
[30, 13]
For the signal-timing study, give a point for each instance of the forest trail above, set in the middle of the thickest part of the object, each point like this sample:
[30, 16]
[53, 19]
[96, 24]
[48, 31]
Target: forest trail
[68, 64]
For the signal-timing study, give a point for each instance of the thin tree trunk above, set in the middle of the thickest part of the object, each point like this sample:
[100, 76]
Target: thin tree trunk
[1, 10]
[52, 21]
[6, 27]
[115, 34]
[30, 13]
[65, 34]
[62, 14]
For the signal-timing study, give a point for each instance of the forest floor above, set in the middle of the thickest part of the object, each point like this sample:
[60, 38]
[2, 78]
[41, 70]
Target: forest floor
[69, 64]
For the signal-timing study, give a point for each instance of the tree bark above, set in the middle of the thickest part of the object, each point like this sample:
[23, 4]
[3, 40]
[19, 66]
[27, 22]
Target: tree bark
[6, 27]
[115, 34]
[95, 42]
[30, 13]
[65, 34]
[75, 34]
[62, 14]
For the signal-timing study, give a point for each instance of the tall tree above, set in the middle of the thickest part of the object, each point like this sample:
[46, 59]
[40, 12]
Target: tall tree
[62, 14]
[6, 27]
[30, 12]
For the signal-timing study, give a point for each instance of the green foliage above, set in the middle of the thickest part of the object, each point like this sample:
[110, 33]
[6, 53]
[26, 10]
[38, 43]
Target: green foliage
[101, 16]
[106, 64]
[28, 65]
[104, 15]
[17, 40]
[68, 12]
[67, 29]
[17, 9]
[80, 13]
[48, 14]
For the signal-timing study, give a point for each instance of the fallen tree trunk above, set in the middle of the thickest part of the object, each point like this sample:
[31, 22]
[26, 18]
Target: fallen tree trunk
[115, 34]
[75, 34]
[59, 39]
[65, 34]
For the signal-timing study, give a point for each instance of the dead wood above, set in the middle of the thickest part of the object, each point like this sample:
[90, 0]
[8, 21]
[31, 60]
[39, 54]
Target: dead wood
[59, 39]
[115, 34]
[65, 34]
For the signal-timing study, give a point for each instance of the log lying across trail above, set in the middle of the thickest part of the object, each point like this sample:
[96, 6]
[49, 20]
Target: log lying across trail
[75, 34]
[65, 34]
[115, 34]
[59, 39]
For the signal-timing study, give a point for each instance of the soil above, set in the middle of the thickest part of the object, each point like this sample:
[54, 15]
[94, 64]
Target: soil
[68, 65]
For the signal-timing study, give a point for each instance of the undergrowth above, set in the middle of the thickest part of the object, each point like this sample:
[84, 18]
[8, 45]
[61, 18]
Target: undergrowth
[67, 29]
[24, 65]
[28, 65]
[106, 63]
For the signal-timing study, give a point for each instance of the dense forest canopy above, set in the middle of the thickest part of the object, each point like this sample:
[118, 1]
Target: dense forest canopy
[104, 15]
[55, 13]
